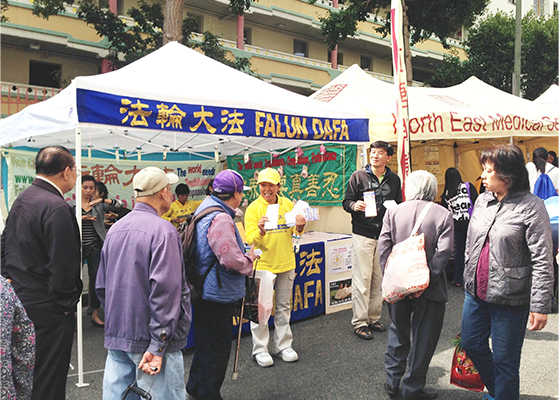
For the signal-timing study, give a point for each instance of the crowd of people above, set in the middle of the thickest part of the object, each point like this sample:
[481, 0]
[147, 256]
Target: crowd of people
[501, 241]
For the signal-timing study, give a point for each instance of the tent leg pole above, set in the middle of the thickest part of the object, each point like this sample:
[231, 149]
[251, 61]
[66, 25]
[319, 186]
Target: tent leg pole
[80, 339]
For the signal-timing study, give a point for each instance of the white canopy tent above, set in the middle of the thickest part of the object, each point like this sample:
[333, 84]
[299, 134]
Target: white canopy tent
[550, 97]
[176, 99]
[470, 110]
[153, 103]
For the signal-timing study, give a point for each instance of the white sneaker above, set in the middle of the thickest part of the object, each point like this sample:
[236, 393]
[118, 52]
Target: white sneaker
[288, 355]
[264, 359]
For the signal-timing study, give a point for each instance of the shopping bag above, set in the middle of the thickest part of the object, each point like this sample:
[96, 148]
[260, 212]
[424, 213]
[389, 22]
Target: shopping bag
[265, 281]
[406, 271]
[251, 305]
[463, 372]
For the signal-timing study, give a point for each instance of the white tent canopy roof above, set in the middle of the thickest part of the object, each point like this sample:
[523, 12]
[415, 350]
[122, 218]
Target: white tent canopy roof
[175, 75]
[550, 97]
[470, 110]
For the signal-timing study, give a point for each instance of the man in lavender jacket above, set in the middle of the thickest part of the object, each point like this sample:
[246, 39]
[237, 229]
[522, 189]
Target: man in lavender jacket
[145, 295]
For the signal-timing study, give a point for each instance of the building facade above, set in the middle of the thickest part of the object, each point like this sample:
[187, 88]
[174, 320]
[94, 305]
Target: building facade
[282, 39]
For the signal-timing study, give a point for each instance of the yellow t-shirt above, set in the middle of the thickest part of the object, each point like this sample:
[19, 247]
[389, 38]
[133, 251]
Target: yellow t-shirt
[178, 210]
[278, 251]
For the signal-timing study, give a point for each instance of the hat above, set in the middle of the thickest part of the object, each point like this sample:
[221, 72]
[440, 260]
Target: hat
[229, 181]
[151, 180]
[269, 175]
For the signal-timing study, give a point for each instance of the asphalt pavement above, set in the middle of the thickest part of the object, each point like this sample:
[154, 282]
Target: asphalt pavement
[335, 364]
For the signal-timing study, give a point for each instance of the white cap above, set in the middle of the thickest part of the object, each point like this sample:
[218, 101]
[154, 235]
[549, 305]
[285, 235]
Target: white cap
[151, 180]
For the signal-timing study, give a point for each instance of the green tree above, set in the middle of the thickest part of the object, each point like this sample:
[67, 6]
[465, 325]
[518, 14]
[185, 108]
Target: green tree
[151, 29]
[490, 49]
[422, 19]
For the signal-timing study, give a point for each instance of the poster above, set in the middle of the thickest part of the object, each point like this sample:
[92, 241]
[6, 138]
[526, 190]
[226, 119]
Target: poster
[315, 174]
[340, 292]
[339, 258]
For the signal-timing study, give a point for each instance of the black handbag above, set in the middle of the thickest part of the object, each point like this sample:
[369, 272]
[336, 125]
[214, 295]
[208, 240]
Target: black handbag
[251, 304]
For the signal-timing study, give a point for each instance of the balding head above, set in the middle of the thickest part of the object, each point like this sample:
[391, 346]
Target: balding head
[53, 159]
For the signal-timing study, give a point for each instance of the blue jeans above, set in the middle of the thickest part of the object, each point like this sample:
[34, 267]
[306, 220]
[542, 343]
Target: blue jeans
[121, 369]
[499, 367]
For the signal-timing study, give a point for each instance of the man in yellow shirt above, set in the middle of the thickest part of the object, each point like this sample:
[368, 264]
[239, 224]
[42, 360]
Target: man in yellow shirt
[181, 207]
[278, 257]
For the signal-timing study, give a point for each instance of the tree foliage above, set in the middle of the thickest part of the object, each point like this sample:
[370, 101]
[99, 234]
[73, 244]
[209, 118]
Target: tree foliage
[129, 43]
[490, 49]
[426, 18]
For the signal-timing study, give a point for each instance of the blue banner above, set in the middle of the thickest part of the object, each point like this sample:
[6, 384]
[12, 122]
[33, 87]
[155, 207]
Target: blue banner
[103, 108]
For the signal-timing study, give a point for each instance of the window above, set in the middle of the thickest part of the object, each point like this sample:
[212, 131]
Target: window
[195, 23]
[339, 57]
[44, 74]
[366, 63]
[120, 5]
[554, 8]
[538, 7]
[300, 48]
[247, 35]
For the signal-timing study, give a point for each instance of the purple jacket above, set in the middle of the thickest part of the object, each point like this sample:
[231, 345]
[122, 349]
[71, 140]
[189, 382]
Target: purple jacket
[142, 286]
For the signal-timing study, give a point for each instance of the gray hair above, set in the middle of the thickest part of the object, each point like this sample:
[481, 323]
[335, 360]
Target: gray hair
[420, 185]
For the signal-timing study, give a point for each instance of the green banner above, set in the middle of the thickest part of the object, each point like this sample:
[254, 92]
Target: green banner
[319, 179]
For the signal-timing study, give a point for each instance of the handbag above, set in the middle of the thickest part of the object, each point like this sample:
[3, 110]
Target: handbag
[406, 271]
[251, 304]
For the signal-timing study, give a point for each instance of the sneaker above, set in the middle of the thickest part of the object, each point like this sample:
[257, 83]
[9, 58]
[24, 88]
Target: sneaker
[487, 397]
[264, 359]
[363, 332]
[288, 355]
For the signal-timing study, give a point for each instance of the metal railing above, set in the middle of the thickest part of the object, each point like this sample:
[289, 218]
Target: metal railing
[16, 96]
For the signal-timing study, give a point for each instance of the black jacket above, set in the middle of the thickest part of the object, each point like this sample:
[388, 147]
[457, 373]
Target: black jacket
[364, 180]
[41, 249]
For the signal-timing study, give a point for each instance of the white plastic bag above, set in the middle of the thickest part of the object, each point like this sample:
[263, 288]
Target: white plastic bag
[265, 281]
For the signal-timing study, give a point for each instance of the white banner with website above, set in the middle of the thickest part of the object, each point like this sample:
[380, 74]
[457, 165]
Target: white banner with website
[116, 175]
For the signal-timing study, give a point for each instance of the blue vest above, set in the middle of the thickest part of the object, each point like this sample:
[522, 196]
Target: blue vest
[233, 283]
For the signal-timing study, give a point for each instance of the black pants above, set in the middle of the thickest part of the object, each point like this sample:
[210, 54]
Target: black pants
[93, 256]
[54, 333]
[213, 324]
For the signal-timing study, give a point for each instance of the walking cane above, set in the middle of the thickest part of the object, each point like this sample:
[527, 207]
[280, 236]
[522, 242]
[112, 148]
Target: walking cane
[240, 326]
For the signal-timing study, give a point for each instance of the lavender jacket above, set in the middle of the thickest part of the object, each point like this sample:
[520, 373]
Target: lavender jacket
[142, 286]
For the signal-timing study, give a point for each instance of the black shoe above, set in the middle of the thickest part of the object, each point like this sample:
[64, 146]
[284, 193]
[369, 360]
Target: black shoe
[97, 324]
[422, 394]
[364, 333]
[377, 326]
[392, 391]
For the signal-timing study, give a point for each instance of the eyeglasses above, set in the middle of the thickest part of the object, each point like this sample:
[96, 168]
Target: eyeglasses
[78, 172]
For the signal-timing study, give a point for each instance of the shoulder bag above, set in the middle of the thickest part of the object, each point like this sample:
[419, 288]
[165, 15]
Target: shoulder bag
[406, 271]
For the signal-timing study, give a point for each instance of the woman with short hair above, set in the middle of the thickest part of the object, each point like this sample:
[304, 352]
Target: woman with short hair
[422, 312]
[508, 271]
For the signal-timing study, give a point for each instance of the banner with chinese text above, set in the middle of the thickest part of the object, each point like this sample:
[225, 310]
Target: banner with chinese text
[319, 179]
[117, 176]
[399, 72]
[108, 109]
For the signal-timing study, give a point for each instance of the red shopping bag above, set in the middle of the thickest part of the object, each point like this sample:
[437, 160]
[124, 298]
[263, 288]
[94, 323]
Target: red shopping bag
[463, 372]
